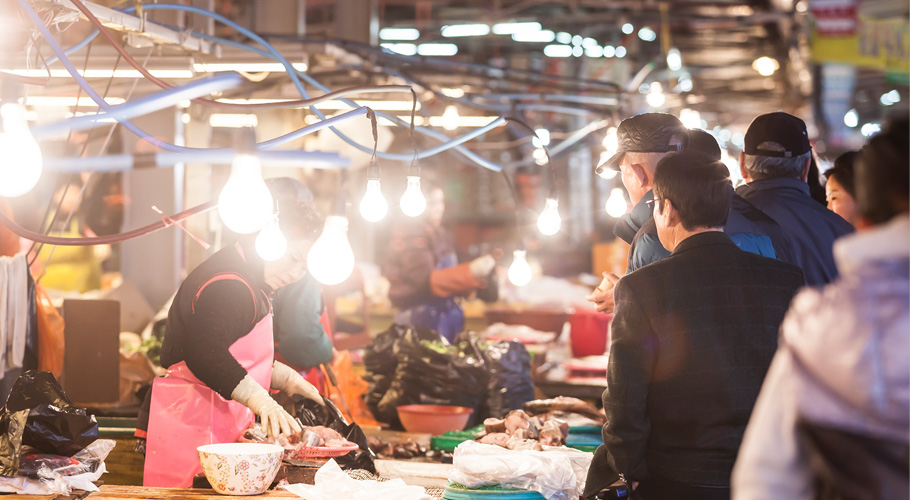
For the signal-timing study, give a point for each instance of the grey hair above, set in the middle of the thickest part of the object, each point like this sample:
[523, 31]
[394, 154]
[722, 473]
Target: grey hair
[769, 167]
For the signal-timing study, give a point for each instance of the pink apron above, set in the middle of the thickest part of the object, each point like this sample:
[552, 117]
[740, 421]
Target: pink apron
[186, 414]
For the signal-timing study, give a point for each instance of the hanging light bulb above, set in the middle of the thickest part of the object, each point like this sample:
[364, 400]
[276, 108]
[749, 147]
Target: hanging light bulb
[271, 243]
[656, 97]
[616, 204]
[413, 203]
[450, 118]
[331, 259]
[245, 204]
[21, 155]
[549, 221]
[520, 270]
[373, 206]
[674, 59]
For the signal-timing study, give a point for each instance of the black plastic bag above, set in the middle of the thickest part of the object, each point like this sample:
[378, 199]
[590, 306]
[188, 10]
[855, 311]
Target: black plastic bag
[430, 371]
[39, 414]
[379, 361]
[310, 413]
[510, 384]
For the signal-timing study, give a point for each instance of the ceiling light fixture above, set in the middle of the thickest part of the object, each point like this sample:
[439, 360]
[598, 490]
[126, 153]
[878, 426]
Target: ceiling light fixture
[557, 51]
[437, 49]
[461, 30]
[404, 49]
[399, 34]
[543, 36]
[766, 66]
[515, 28]
[647, 34]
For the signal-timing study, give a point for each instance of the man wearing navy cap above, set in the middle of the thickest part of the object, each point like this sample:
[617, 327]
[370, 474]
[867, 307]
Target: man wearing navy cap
[775, 164]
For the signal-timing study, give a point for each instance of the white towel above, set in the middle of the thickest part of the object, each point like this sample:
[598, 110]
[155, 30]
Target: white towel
[17, 309]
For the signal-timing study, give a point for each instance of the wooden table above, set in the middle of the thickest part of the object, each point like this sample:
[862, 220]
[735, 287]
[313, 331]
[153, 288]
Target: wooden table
[112, 492]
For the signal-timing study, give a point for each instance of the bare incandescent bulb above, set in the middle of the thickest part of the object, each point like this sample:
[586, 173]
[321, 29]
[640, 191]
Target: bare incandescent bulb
[450, 118]
[21, 166]
[373, 206]
[413, 203]
[549, 221]
[331, 259]
[616, 204]
[271, 243]
[520, 270]
[245, 203]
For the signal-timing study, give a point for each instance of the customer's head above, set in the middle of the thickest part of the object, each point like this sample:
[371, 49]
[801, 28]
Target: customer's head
[300, 224]
[776, 145]
[643, 141]
[883, 174]
[692, 193]
[703, 142]
[839, 190]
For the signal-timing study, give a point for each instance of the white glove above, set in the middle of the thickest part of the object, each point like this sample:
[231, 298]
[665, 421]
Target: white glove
[286, 379]
[482, 266]
[274, 419]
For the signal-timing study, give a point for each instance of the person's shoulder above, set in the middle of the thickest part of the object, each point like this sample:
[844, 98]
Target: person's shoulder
[773, 268]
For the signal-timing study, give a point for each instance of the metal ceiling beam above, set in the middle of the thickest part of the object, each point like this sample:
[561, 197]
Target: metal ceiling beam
[130, 24]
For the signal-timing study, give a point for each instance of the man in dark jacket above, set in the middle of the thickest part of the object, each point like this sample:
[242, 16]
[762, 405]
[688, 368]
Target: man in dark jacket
[775, 163]
[692, 338]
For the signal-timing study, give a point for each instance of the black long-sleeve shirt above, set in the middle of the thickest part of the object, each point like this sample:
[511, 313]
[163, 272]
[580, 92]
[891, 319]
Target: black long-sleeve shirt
[211, 311]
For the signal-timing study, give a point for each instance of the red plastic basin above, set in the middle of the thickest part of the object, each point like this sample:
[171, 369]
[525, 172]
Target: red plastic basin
[590, 332]
[433, 419]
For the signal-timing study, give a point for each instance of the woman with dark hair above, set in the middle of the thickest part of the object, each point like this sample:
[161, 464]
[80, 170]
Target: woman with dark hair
[839, 190]
[219, 351]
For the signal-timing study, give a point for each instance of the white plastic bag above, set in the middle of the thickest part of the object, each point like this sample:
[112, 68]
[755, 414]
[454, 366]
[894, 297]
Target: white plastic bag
[557, 473]
[333, 484]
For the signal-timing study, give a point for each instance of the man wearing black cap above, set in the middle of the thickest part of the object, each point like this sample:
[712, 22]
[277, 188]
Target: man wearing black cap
[775, 164]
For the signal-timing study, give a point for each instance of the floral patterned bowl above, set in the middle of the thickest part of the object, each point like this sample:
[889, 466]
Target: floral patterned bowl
[240, 468]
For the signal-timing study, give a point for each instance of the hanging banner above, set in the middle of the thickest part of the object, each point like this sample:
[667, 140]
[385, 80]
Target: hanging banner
[876, 43]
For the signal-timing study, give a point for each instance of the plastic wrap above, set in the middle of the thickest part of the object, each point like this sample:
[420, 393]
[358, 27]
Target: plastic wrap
[555, 473]
[39, 414]
[332, 483]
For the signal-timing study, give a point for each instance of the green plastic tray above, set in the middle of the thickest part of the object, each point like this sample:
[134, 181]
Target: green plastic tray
[459, 492]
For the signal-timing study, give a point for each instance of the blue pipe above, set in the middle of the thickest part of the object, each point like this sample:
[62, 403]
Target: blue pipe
[121, 162]
[143, 105]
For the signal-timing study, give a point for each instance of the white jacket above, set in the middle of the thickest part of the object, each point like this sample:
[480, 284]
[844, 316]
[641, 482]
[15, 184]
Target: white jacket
[843, 362]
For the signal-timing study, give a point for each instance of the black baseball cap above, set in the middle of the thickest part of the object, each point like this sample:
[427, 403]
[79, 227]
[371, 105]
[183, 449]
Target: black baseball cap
[703, 142]
[646, 133]
[781, 128]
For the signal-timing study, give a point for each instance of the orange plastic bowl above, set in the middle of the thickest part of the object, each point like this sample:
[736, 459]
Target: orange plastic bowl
[433, 419]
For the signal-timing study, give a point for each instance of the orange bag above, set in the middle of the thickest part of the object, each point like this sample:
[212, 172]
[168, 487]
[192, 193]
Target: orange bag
[353, 387]
[50, 334]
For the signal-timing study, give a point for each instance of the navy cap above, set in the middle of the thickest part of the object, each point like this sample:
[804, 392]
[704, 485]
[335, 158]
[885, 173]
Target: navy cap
[781, 128]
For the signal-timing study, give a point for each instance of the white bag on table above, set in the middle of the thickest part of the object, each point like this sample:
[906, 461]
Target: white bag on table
[557, 473]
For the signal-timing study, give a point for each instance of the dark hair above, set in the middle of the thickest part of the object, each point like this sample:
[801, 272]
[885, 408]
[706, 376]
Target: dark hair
[699, 187]
[842, 172]
[297, 216]
[883, 173]
[703, 142]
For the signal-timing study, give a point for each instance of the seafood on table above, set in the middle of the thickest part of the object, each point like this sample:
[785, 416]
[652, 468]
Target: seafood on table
[520, 431]
[309, 437]
[565, 405]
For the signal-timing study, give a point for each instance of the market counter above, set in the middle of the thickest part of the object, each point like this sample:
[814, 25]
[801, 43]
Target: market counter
[112, 492]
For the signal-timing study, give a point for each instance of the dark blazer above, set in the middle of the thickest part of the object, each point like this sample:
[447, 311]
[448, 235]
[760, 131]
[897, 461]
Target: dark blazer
[692, 338]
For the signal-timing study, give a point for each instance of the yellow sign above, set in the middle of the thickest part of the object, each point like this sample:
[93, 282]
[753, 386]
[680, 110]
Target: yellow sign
[882, 44]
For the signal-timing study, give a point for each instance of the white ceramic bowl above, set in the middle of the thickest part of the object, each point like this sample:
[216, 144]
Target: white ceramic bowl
[240, 468]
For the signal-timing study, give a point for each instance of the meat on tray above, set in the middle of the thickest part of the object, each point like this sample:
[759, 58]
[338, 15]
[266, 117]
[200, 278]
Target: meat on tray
[520, 431]
[563, 404]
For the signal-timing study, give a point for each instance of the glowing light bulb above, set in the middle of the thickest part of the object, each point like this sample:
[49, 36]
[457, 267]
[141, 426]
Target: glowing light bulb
[413, 203]
[245, 204]
[450, 118]
[22, 163]
[271, 244]
[766, 66]
[331, 259]
[373, 206]
[611, 141]
[656, 97]
[616, 204]
[851, 118]
[674, 59]
[549, 221]
[520, 270]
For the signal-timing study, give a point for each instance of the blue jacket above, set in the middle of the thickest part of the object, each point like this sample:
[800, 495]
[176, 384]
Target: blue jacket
[809, 227]
[749, 228]
[299, 336]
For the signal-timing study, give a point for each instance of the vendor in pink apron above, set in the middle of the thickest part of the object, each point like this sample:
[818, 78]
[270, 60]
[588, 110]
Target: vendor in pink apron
[219, 351]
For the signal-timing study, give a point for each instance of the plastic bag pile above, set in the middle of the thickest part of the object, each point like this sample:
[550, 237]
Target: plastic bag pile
[332, 483]
[48, 445]
[415, 365]
[555, 473]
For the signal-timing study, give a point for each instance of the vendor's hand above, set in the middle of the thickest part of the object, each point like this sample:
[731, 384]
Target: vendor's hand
[287, 380]
[482, 266]
[603, 294]
[274, 418]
